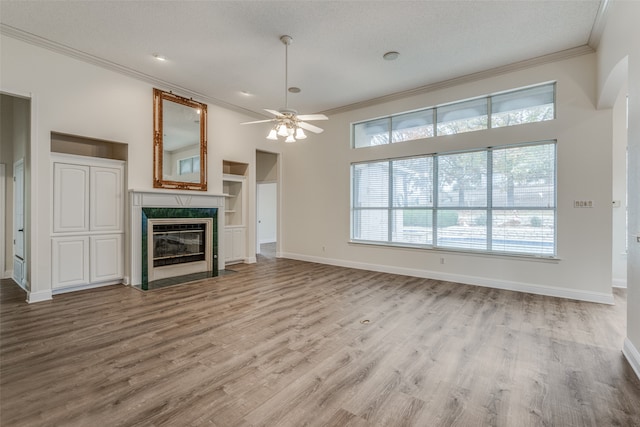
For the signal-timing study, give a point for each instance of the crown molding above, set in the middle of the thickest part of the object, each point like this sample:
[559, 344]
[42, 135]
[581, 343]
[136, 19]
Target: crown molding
[599, 23]
[162, 84]
[30, 38]
[456, 81]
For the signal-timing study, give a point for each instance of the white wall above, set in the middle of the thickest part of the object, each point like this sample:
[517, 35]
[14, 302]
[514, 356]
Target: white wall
[73, 97]
[619, 59]
[317, 187]
[619, 186]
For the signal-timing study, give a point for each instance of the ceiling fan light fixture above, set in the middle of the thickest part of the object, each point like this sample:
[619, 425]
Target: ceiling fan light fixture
[273, 135]
[300, 134]
[288, 124]
[282, 130]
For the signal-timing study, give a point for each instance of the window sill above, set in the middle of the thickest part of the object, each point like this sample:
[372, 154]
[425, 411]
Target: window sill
[439, 250]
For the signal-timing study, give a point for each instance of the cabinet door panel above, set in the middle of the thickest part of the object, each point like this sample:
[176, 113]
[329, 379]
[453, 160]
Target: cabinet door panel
[70, 198]
[106, 257]
[238, 243]
[228, 245]
[106, 199]
[70, 257]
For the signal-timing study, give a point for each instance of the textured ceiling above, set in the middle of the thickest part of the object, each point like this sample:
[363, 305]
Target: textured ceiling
[218, 49]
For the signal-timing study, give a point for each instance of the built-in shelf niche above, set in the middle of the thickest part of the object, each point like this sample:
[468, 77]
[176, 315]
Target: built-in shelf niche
[90, 147]
[234, 188]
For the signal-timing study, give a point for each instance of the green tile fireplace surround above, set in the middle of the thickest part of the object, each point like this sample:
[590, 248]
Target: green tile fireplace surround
[172, 213]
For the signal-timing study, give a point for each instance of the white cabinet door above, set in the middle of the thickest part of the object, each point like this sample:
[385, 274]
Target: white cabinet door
[70, 198]
[228, 244]
[106, 199]
[237, 252]
[70, 257]
[234, 244]
[106, 257]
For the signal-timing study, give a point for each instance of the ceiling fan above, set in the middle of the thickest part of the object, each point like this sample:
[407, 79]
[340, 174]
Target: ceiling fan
[288, 123]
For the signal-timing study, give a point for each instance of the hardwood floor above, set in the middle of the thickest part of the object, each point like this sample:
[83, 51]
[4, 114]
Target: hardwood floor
[286, 343]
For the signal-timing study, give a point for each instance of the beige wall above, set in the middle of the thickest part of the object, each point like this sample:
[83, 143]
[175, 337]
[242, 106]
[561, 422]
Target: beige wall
[619, 62]
[317, 189]
[619, 186]
[73, 97]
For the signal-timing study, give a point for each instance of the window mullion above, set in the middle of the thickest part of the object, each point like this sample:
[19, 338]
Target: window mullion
[489, 199]
[434, 210]
[489, 112]
[390, 204]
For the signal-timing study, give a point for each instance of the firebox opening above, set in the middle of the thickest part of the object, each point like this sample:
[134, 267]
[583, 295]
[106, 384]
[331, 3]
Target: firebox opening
[178, 243]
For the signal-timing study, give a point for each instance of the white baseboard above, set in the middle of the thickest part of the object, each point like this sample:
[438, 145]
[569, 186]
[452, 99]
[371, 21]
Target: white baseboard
[632, 355]
[85, 287]
[8, 274]
[250, 260]
[38, 296]
[598, 297]
[619, 283]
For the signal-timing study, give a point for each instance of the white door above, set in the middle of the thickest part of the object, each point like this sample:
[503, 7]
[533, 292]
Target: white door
[19, 264]
[3, 207]
[18, 209]
[267, 212]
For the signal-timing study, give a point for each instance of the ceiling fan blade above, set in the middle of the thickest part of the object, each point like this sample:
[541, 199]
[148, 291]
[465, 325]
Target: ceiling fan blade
[274, 112]
[313, 117]
[258, 121]
[312, 128]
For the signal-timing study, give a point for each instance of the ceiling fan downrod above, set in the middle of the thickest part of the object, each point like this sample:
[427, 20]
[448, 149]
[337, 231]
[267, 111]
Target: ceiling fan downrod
[286, 40]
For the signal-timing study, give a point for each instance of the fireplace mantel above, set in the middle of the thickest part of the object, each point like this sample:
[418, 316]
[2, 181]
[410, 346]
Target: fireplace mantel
[139, 199]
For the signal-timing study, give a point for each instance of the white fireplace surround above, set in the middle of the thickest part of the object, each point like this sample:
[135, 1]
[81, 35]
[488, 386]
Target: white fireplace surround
[139, 199]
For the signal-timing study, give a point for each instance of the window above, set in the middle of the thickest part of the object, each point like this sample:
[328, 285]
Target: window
[529, 105]
[499, 200]
[410, 126]
[189, 165]
[523, 106]
[462, 117]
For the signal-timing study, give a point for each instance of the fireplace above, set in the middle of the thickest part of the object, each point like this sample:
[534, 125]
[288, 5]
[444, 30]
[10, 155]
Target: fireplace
[178, 247]
[164, 208]
[178, 243]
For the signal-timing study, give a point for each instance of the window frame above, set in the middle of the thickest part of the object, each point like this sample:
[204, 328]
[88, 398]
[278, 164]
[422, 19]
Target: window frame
[489, 209]
[435, 115]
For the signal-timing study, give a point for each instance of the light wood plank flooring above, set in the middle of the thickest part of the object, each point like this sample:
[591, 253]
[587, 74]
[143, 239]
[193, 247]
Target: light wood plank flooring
[287, 343]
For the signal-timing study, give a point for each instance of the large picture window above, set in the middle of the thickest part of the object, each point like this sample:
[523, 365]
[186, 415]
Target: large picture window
[498, 200]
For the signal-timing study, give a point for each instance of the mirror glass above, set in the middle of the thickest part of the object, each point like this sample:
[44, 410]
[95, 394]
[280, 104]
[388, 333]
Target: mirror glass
[180, 142]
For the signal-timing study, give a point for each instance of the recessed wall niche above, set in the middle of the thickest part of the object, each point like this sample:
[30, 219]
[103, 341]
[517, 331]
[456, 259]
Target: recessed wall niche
[83, 146]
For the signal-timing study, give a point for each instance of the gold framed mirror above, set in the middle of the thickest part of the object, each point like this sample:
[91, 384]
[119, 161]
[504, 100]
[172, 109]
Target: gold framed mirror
[179, 142]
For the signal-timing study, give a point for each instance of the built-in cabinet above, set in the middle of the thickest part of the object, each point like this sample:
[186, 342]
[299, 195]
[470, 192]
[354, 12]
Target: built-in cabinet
[234, 189]
[88, 230]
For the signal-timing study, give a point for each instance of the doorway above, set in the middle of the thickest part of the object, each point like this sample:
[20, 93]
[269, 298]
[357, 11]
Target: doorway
[267, 184]
[15, 140]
